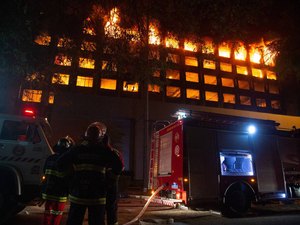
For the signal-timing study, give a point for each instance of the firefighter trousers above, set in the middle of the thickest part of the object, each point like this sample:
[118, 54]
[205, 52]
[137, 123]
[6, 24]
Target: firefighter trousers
[112, 203]
[76, 214]
[53, 212]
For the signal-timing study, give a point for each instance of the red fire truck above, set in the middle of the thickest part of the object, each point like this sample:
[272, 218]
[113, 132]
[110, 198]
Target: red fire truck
[226, 161]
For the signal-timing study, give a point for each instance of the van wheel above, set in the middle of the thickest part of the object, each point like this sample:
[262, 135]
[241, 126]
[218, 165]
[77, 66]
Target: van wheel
[237, 202]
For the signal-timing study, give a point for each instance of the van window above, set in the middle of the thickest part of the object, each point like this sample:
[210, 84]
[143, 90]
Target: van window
[236, 164]
[19, 131]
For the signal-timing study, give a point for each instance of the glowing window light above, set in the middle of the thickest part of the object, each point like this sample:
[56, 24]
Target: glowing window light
[271, 75]
[269, 56]
[153, 88]
[207, 46]
[224, 50]
[30, 95]
[192, 94]
[240, 53]
[87, 27]
[84, 81]
[255, 55]
[241, 70]
[43, 39]
[171, 41]
[153, 35]
[51, 98]
[109, 84]
[251, 129]
[190, 46]
[111, 28]
[172, 91]
[86, 63]
[257, 73]
[130, 87]
[60, 78]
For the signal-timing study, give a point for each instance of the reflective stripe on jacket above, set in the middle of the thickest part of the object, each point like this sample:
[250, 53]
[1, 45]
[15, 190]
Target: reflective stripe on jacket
[56, 184]
[89, 161]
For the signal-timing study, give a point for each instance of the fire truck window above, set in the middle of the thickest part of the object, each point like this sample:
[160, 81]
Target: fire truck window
[236, 164]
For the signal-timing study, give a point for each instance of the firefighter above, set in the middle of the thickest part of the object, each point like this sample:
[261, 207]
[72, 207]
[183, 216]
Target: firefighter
[55, 186]
[112, 181]
[89, 160]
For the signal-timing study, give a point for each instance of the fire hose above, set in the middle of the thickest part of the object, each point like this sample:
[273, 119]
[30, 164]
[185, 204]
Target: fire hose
[145, 206]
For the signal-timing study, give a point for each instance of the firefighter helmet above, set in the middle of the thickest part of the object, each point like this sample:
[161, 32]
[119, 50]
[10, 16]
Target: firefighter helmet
[95, 131]
[65, 142]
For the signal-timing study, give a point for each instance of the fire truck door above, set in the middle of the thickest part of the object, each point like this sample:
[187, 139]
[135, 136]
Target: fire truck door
[203, 176]
[268, 164]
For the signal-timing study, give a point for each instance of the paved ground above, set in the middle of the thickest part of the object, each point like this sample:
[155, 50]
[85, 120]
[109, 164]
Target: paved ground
[129, 208]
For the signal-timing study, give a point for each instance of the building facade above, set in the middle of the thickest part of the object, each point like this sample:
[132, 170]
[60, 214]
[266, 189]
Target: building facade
[87, 84]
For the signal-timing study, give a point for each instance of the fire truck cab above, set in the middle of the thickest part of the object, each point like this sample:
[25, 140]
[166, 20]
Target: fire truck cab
[25, 143]
[224, 161]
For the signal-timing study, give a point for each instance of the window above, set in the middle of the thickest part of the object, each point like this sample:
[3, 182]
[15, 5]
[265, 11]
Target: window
[224, 50]
[208, 46]
[173, 58]
[275, 104]
[229, 98]
[210, 79]
[240, 52]
[209, 64]
[243, 84]
[43, 39]
[171, 41]
[260, 102]
[225, 67]
[154, 88]
[65, 43]
[88, 46]
[255, 54]
[63, 60]
[109, 84]
[259, 87]
[241, 70]
[192, 77]
[192, 93]
[173, 92]
[227, 82]
[130, 87]
[273, 89]
[19, 131]
[60, 78]
[51, 98]
[30, 95]
[156, 73]
[190, 46]
[271, 75]
[173, 74]
[191, 61]
[109, 66]
[257, 73]
[154, 54]
[236, 164]
[84, 81]
[88, 28]
[86, 63]
[245, 100]
[211, 96]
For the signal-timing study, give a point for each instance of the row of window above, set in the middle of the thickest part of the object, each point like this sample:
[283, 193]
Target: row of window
[170, 91]
[88, 63]
[111, 84]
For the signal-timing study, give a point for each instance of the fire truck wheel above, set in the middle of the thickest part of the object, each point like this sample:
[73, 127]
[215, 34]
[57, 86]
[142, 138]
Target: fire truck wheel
[237, 201]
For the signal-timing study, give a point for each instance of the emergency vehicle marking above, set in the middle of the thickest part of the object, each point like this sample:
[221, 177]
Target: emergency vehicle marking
[19, 159]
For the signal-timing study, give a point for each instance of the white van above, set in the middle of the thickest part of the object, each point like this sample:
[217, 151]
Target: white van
[25, 143]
